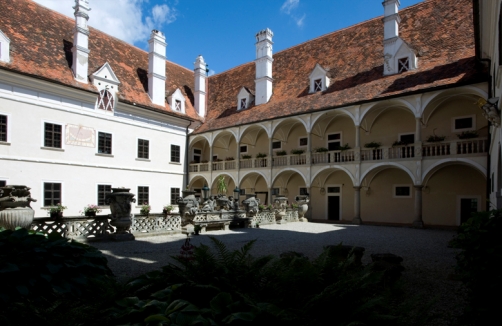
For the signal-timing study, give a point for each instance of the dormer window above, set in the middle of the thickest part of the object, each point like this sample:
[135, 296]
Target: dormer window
[243, 104]
[244, 99]
[319, 80]
[318, 85]
[106, 101]
[403, 64]
[4, 48]
[177, 101]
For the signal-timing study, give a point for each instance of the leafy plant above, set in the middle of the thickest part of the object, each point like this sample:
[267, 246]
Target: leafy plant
[373, 145]
[91, 208]
[229, 158]
[204, 161]
[221, 185]
[400, 143]
[435, 139]
[168, 208]
[294, 206]
[321, 149]
[344, 147]
[57, 209]
[281, 153]
[217, 160]
[145, 209]
[297, 151]
[468, 134]
[245, 157]
[261, 155]
[261, 207]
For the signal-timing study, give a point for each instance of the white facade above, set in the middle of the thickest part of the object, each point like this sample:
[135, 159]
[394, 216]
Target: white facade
[77, 164]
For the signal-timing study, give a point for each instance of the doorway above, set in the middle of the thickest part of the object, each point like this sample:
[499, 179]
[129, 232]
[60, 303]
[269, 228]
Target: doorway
[467, 206]
[334, 203]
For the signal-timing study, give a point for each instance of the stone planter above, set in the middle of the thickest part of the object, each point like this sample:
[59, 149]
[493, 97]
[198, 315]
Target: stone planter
[90, 214]
[15, 210]
[56, 215]
[303, 206]
[120, 206]
[280, 206]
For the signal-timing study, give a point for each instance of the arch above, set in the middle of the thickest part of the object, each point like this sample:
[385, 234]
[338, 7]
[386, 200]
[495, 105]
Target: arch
[245, 129]
[244, 175]
[220, 133]
[196, 138]
[218, 175]
[319, 126]
[274, 178]
[338, 168]
[387, 104]
[377, 168]
[252, 132]
[431, 104]
[342, 112]
[195, 178]
[451, 161]
[287, 120]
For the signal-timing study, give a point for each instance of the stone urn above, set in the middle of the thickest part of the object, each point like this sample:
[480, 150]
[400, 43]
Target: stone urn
[280, 206]
[120, 200]
[15, 207]
[251, 204]
[223, 202]
[188, 207]
[303, 206]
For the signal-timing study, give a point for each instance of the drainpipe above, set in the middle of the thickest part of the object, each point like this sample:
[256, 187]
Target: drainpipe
[185, 175]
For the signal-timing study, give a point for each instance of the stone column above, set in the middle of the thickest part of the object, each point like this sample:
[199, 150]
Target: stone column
[418, 223]
[418, 130]
[358, 138]
[309, 148]
[270, 201]
[357, 206]
[210, 158]
[238, 158]
[270, 153]
[308, 215]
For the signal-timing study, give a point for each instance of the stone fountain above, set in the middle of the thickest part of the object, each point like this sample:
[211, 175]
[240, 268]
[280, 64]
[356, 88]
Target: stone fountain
[15, 207]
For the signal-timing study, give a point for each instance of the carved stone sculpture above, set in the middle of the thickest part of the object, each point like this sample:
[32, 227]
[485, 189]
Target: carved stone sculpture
[120, 200]
[251, 203]
[303, 206]
[280, 206]
[15, 207]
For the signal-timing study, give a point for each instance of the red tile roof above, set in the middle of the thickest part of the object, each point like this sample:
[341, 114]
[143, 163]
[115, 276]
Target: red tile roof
[40, 46]
[441, 30]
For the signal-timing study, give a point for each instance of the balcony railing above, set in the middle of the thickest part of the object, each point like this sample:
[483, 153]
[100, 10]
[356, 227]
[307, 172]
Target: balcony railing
[446, 148]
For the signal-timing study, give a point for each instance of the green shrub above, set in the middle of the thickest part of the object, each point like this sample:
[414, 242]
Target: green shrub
[478, 264]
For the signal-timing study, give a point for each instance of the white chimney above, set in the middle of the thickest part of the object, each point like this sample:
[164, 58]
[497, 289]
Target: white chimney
[263, 81]
[200, 85]
[391, 19]
[80, 48]
[157, 68]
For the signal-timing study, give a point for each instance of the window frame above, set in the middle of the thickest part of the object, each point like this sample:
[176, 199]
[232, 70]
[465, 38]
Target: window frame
[8, 122]
[177, 105]
[318, 85]
[173, 202]
[399, 136]
[406, 61]
[303, 191]
[453, 120]
[138, 152]
[43, 145]
[61, 198]
[300, 141]
[394, 189]
[334, 141]
[106, 106]
[241, 151]
[141, 195]
[171, 154]
[275, 192]
[275, 142]
[244, 101]
[98, 132]
[98, 194]
[2, 181]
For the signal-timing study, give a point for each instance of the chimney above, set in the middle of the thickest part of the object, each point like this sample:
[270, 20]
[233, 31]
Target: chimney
[80, 48]
[200, 85]
[157, 68]
[263, 81]
[391, 19]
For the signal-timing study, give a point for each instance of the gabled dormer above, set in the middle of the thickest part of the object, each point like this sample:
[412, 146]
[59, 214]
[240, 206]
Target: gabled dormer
[319, 80]
[107, 83]
[177, 101]
[244, 98]
[4, 48]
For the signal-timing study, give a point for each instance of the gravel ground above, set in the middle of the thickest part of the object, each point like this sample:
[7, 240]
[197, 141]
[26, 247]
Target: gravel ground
[428, 261]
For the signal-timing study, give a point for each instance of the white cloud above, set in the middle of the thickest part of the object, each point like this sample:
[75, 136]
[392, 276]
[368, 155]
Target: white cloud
[211, 72]
[124, 19]
[289, 5]
[299, 21]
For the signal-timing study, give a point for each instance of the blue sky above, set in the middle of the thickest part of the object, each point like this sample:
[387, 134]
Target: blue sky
[222, 30]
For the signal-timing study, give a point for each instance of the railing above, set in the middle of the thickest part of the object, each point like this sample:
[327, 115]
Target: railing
[404, 151]
[372, 154]
[457, 147]
[260, 162]
[246, 163]
[198, 167]
[230, 165]
[218, 166]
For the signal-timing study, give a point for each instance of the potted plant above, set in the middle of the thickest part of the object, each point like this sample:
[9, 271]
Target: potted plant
[281, 153]
[270, 207]
[167, 209]
[261, 207]
[297, 151]
[145, 209]
[373, 145]
[56, 212]
[344, 147]
[261, 155]
[399, 143]
[221, 185]
[229, 158]
[91, 210]
[468, 134]
[245, 157]
[204, 161]
[196, 229]
[435, 139]
[321, 150]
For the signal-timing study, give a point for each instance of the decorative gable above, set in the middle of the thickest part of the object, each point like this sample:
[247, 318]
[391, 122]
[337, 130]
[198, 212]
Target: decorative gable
[319, 80]
[399, 57]
[4, 47]
[107, 83]
[177, 101]
[244, 99]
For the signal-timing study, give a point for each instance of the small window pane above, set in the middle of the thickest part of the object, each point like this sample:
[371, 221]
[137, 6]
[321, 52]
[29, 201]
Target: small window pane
[3, 183]
[463, 123]
[317, 85]
[244, 149]
[104, 143]
[175, 153]
[275, 191]
[103, 190]
[197, 151]
[175, 193]
[243, 103]
[276, 145]
[407, 139]
[334, 190]
[143, 148]
[52, 194]
[243, 192]
[303, 192]
[403, 191]
[304, 141]
[52, 135]
[334, 137]
[105, 100]
[143, 195]
[3, 128]
[404, 64]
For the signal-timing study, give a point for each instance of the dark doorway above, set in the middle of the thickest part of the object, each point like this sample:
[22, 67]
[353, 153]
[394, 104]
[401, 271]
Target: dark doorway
[334, 208]
[467, 207]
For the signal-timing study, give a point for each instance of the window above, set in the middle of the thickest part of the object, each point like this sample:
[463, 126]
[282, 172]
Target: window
[3, 183]
[143, 148]
[197, 153]
[407, 138]
[104, 143]
[317, 85]
[463, 123]
[175, 193]
[403, 64]
[303, 192]
[175, 153]
[143, 197]
[52, 194]
[303, 141]
[3, 128]
[402, 191]
[276, 145]
[333, 190]
[243, 103]
[105, 100]
[334, 141]
[244, 148]
[275, 191]
[103, 191]
[52, 135]
[177, 105]
[243, 192]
